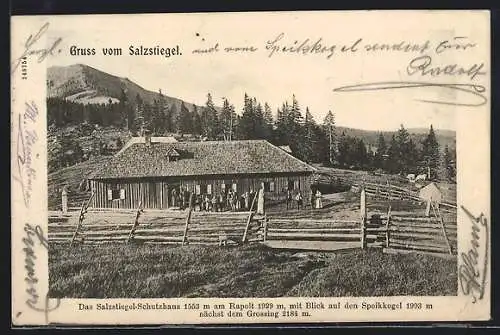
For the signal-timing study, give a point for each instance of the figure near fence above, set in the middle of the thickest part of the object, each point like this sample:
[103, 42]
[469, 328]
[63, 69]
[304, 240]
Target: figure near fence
[319, 201]
[288, 199]
[299, 199]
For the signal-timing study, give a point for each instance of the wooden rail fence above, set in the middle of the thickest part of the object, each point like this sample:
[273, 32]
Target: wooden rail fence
[391, 231]
[393, 192]
[165, 227]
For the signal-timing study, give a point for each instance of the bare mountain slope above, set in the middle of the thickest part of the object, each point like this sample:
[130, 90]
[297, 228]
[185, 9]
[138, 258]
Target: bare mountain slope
[84, 84]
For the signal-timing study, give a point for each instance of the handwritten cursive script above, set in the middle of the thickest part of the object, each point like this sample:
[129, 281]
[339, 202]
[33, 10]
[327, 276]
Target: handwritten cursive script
[473, 90]
[423, 66]
[34, 234]
[29, 50]
[472, 271]
[25, 141]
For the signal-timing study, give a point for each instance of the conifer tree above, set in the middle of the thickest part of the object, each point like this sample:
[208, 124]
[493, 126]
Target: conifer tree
[196, 121]
[380, 155]
[430, 156]
[329, 127]
[449, 164]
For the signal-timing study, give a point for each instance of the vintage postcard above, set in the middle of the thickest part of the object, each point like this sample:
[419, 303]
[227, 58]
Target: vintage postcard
[225, 168]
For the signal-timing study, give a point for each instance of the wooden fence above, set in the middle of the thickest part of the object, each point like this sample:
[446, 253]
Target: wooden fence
[393, 192]
[392, 231]
[155, 227]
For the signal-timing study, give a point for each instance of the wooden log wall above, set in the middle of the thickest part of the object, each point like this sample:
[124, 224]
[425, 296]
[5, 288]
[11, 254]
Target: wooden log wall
[156, 193]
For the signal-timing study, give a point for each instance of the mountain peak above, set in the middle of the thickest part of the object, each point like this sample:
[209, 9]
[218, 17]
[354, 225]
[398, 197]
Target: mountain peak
[84, 84]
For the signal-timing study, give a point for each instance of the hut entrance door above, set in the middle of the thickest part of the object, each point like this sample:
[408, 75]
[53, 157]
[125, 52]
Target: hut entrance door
[165, 195]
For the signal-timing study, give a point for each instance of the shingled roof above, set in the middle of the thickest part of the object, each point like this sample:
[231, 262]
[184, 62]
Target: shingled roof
[200, 158]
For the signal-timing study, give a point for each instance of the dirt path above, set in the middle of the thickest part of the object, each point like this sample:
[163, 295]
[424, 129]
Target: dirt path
[312, 245]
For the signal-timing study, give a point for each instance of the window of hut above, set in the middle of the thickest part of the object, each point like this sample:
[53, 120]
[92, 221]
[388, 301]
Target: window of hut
[115, 193]
[172, 155]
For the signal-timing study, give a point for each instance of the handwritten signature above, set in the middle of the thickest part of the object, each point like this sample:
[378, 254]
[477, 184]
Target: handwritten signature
[35, 234]
[25, 141]
[29, 50]
[424, 67]
[472, 273]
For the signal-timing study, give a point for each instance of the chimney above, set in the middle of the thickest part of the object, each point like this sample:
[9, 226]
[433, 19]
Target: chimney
[147, 138]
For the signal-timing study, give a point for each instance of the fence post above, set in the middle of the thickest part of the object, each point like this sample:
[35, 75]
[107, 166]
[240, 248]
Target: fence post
[363, 218]
[64, 199]
[437, 213]
[260, 201]
[140, 210]
[249, 218]
[265, 229]
[83, 211]
[428, 208]
[389, 190]
[188, 219]
[388, 227]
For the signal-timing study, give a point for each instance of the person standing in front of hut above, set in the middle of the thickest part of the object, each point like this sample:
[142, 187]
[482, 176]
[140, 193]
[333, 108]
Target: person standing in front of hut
[236, 201]
[260, 202]
[288, 198]
[196, 205]
[206, 203]
[229, 199]
[174, 197]
[246, 197]
[182, 199]
[319, 201]
[312, 199]
[299, 199]
[222, 202]
[215, 203]
[187, 198]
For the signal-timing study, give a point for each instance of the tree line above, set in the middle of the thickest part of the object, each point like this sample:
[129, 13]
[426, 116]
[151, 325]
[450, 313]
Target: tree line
[290, 125]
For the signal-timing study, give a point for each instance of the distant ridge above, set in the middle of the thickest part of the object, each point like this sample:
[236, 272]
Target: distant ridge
[370, 137]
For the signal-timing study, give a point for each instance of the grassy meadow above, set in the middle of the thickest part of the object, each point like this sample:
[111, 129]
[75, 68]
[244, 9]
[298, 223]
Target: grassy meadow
[148, 270]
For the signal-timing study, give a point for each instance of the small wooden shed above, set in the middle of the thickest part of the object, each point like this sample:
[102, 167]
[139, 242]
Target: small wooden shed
[431, 192]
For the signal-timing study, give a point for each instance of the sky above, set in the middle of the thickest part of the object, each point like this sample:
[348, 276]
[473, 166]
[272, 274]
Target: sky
[271, 79]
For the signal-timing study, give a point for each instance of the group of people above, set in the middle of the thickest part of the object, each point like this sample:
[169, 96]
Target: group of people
[217, 202]
[180, 198]
[315, 198]
[233, 201]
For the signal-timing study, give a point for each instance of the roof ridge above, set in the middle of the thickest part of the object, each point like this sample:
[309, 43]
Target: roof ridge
[292, 156]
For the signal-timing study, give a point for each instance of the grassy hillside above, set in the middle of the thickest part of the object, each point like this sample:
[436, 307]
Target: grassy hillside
[72, 177]
[147, 271]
